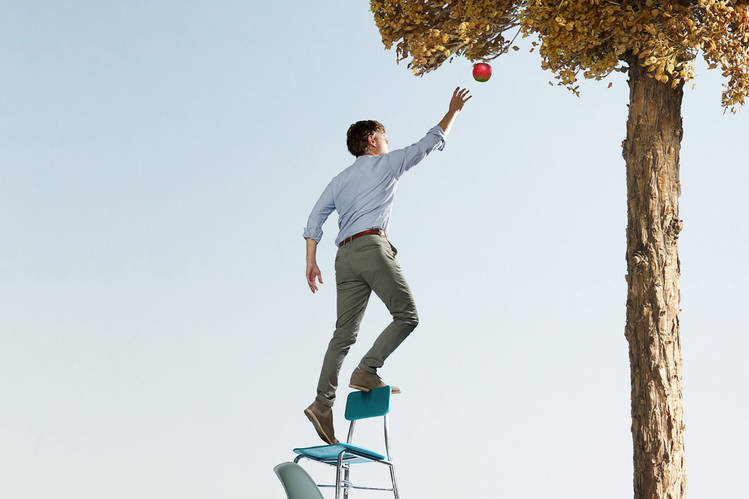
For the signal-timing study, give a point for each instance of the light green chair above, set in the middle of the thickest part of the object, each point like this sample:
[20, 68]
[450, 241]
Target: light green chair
[297, 483]
[359, 405]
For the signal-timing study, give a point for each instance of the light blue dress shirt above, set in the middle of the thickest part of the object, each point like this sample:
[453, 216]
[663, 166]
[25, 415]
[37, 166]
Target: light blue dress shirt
[363, 193]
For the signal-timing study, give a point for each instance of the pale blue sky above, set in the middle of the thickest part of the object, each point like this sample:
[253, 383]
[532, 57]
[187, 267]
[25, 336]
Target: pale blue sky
[158, 161]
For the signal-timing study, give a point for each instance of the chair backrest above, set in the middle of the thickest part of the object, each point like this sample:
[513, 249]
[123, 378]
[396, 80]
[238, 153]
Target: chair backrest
[297, 483]
[361, 405]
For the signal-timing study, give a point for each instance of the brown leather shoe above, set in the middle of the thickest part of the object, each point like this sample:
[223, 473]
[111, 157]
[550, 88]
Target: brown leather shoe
[365, 381]
[322, 419]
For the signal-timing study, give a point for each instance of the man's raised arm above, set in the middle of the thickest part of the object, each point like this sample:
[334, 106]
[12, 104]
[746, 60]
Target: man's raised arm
[404, 159]
[458, 100]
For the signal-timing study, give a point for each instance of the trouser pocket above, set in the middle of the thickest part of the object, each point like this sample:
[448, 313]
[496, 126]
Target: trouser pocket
[395, 251]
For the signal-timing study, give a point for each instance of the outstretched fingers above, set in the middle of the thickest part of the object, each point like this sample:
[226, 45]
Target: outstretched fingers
[459, 98]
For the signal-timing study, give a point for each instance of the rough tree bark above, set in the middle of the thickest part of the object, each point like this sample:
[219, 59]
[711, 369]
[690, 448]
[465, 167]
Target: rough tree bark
[651, 153]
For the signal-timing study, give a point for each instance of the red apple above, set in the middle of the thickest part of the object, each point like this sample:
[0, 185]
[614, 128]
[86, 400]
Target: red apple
[482, 71]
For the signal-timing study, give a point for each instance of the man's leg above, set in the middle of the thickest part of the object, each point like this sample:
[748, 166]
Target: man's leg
[385, 277]
[352, 298]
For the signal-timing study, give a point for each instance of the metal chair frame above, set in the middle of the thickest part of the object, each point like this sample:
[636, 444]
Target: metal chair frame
[344, 468]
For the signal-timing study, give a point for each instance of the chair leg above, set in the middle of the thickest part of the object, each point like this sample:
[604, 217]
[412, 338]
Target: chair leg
[395, 485]
[338, 475]
[346, 476]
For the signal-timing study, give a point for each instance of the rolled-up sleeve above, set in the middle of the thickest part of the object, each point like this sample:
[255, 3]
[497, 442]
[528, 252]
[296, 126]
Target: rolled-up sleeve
[404, 159]
[322, 209]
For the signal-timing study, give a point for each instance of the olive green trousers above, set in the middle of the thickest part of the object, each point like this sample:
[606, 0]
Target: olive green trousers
[364, 265]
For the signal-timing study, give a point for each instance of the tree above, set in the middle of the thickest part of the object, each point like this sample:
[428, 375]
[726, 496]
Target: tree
[656, 43]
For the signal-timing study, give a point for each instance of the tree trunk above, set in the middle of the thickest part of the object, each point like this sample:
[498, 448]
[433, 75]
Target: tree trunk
[651, 152]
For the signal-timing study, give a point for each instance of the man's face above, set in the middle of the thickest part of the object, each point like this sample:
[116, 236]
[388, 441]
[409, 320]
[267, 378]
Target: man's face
[378, 144]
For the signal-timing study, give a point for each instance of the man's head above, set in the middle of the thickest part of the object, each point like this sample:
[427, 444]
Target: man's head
[367, 137]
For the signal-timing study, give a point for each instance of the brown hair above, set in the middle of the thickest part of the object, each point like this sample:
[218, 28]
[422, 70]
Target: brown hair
[358, 133]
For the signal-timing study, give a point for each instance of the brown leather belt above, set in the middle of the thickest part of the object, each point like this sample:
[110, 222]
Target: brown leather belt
[378, 232]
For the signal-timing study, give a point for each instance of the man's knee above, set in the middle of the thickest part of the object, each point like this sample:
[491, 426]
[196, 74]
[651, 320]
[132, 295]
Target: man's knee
[413, 321]
[344, 337]
[409, 318]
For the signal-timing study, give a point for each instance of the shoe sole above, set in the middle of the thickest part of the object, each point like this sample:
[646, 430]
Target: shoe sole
[367, 389]
[357, 387]
[318, 427]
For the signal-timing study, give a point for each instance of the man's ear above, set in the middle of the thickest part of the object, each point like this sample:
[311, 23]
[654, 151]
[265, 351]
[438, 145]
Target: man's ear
[371, 141]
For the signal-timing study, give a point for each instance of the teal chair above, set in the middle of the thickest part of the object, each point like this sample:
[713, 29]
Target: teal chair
[296, 482]
[359, 405]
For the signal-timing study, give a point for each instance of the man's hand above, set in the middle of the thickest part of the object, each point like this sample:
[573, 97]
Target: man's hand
[458, 100]
[313, 271]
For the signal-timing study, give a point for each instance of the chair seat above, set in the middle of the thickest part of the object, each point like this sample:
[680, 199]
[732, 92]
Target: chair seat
[329, 453]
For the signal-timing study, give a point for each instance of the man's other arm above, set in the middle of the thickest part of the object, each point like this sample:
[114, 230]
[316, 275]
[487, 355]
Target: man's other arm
[313, 271]
[313, 233]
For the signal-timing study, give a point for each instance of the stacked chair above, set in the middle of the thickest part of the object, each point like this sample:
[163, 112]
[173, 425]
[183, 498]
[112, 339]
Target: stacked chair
[359, 405]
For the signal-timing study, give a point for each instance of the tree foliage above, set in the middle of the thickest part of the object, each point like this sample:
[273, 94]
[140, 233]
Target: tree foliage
[595, 37]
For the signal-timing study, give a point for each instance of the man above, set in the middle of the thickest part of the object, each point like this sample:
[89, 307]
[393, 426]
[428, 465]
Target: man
[362, 194]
